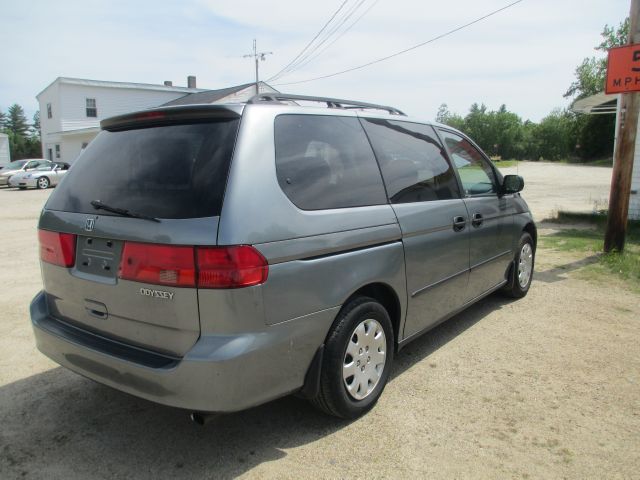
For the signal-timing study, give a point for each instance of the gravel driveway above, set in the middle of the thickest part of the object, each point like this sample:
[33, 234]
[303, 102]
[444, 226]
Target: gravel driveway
[545, 387]
[550, 187]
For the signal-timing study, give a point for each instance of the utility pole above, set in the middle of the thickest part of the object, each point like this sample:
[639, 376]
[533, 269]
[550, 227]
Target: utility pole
[257, 56]
[623, 156]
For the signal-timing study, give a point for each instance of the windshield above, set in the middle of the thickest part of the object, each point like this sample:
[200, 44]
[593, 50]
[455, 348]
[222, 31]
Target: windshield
[174, 171]
[18, 164]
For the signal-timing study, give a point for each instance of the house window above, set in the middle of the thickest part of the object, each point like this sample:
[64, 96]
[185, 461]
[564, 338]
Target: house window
[49, 114]
[92, 109]
[57, 151]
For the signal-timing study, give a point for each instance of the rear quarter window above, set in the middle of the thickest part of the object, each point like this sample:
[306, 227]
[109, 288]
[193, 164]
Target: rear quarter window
[172, 171]
[325, 162]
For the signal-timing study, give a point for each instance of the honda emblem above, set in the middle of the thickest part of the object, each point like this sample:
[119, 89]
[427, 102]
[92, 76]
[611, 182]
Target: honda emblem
[89, 224]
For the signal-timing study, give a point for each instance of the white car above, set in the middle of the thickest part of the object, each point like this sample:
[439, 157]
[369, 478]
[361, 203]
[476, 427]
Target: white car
[44, 176]
[19, 166]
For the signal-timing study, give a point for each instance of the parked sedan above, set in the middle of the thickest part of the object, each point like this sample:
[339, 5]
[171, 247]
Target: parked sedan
[42, 177]
[19, 166]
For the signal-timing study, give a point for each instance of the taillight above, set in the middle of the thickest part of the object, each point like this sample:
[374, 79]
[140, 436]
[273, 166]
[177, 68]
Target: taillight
[184, 266]
[158, 264]
[57, 248]
[230, 267]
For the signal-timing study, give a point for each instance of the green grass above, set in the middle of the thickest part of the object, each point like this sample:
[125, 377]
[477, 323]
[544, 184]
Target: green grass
[625, 265]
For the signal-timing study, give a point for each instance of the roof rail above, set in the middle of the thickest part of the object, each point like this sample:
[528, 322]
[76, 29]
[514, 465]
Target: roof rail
[331, 102]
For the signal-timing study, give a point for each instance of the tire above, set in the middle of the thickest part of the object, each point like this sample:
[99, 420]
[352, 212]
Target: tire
[350, 396]
[522, 270]
[42, 183]
[22, 188]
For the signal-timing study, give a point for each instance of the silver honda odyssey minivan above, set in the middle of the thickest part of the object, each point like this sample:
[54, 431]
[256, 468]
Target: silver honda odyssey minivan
[216, 257]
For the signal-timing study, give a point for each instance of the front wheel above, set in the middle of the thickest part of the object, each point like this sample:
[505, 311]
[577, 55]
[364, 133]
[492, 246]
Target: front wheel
[522, 269]
[43, 183]
[357, 359]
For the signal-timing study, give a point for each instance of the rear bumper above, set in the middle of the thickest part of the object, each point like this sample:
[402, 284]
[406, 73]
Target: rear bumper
[221, 373]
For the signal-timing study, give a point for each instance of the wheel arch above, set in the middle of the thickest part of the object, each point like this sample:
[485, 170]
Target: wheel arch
[379, 291]
[388, 298]
[531, 229]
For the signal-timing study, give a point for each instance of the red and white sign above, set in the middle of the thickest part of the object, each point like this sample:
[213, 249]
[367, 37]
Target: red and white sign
[623, 69]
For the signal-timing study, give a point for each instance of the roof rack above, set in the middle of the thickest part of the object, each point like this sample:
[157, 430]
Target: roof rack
[331, 102]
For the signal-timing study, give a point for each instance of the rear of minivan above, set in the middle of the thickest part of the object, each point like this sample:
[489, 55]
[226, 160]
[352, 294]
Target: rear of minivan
[127, 243]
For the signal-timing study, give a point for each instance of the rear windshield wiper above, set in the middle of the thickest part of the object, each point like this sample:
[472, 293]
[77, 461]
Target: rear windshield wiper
[98, 205]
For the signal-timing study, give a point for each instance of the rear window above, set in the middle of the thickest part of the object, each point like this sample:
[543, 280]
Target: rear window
[175, 171]
[326, 162]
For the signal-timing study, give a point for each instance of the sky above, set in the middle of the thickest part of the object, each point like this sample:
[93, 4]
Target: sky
[524, 56]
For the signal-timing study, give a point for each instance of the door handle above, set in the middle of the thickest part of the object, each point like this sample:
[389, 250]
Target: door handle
[96, 309]
[476, 220]
[459, 223]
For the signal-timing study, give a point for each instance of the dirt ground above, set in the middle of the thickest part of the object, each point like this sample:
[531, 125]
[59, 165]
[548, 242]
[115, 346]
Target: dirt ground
[550, 187]
[544, 387]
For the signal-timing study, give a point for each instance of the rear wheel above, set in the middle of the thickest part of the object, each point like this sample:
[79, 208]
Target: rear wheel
[43, 183]
[522, 269]
[357, 359]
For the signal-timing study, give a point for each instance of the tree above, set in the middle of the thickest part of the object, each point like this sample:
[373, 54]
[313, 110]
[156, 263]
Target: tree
[35, 127]
[591, 73]
[446, 117]
[506, 132]
[443, 113]
[555, 135]
[24, 138]
[16, 121]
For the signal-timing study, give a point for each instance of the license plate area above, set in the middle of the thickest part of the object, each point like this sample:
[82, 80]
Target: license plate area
[98, 257]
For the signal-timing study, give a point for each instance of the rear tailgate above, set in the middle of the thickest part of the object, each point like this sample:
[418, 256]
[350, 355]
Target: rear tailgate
[89, 295]
[172, 172]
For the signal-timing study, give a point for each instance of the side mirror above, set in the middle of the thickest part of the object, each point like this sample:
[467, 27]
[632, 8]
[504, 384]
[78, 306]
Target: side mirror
[512, 184]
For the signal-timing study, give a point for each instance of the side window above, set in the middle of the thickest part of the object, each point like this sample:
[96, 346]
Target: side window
[477, 176]
[31, 165]
[412, 161]
[326, 162]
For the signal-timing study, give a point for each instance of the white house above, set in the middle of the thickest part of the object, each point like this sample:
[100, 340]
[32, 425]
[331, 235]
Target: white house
[5, 154]
[71, 108]
[601, 104]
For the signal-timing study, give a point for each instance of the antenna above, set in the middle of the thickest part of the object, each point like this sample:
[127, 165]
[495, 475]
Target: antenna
[257, 56]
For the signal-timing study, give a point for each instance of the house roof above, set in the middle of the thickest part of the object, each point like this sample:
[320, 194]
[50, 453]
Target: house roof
[130, 85]
[208, 96]
[596, 104]
[212, 96]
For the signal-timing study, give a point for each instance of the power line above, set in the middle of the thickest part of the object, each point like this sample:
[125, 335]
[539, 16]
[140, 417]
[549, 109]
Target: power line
[338, 25]
[405, 50]
[312, 40]
[339, 36]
